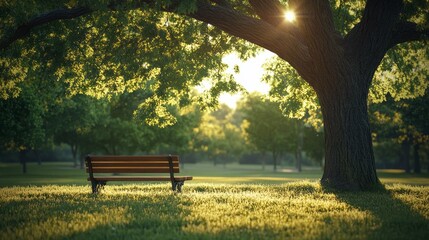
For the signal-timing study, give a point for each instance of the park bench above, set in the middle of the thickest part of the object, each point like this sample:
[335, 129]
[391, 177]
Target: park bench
[99, 166]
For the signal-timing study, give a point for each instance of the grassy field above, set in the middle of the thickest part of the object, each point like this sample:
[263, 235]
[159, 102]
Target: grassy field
[236, 202]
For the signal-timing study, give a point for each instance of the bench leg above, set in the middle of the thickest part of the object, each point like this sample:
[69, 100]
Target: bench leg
[94, 186]
[97, 185]
[177, 186]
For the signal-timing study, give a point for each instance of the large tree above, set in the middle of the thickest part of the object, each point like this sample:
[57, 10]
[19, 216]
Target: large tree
[339, 66]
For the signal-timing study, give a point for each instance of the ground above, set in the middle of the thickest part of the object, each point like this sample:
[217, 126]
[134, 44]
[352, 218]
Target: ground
[235, 202]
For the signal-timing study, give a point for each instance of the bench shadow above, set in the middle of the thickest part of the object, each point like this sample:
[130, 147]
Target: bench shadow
[392, 218]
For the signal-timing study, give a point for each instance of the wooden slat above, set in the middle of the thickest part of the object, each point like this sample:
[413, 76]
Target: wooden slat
[174, 158]
[132, 170]
[141, 178]
[133, 164]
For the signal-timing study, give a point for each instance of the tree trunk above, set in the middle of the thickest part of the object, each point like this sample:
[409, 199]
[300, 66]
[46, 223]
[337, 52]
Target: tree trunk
[405, 155]
[298, 153]
[23, 160]
[275, 161]
[349, 157]
[263, 160]
[73, 148]
[417, 166]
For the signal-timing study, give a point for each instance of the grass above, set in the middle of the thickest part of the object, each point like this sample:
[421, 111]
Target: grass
[239, 202]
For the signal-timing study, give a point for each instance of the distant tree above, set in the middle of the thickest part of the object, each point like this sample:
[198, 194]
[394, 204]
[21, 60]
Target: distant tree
[415, 112]
[21, 124]
[70, 119]
[313, 144]
[268, 130]
[404, 122]
[218, 138]
[178, 138]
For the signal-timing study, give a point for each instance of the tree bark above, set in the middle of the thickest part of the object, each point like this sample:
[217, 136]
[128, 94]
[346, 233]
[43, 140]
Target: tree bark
[349, 157]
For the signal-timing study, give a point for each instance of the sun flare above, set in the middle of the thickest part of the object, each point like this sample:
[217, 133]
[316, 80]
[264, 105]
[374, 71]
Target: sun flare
[290, 16]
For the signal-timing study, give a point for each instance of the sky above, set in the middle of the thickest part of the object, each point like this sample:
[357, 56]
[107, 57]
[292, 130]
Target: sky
[249, 77]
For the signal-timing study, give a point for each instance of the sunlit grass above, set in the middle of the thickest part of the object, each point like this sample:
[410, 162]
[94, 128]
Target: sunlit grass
[297, 210]
[232, 202]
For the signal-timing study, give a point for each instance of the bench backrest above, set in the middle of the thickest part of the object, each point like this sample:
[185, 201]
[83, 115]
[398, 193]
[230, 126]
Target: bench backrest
[132, 164]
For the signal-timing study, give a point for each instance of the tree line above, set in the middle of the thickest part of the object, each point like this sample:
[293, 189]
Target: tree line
[256, 132]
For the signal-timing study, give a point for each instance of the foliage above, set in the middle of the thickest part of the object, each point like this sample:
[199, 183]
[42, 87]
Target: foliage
[109, 53]
[314, 144]
[402, 74]
[268, 130]
[178, 137]
[70, 120]
[218, 138]
[401, 122]
[21, 122]
[296, 98]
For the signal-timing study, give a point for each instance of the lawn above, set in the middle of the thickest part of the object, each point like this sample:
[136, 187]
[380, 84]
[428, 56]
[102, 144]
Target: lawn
[236, 202]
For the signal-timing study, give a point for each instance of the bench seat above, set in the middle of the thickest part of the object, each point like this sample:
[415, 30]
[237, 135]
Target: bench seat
[140, 178]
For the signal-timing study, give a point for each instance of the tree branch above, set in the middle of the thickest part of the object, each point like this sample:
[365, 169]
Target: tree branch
[259, 32]
[368, 42]
[316, 27]
[23, 30]
[271, 11]
[407, 32]
[223, 3]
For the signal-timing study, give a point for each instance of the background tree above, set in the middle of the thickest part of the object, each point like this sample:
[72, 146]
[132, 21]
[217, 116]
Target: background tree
[21, 124]
[268, 129]
[415, 114]
[70, 120]
[404, 123]
[218, 138]
[177, 139]
[336, 57]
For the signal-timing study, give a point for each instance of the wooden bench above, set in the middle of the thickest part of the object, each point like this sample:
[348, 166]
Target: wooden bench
[133, 164]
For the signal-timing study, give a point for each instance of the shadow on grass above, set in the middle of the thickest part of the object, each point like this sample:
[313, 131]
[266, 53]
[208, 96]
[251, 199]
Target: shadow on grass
[145, 218]
[393, 217]
[130, 213]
